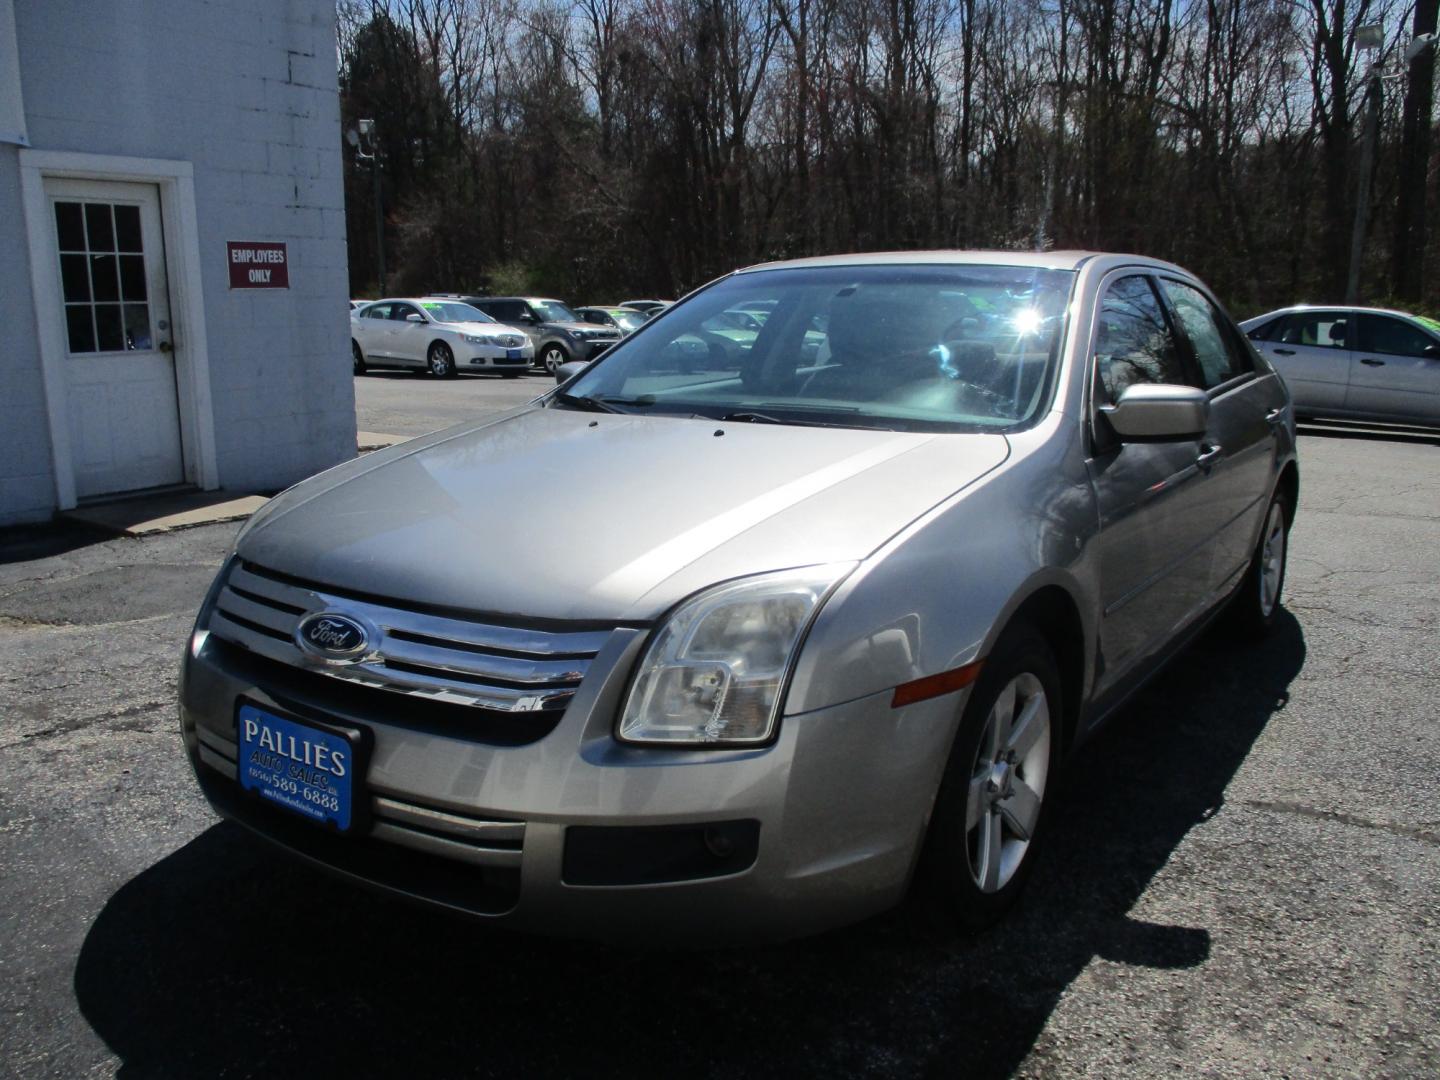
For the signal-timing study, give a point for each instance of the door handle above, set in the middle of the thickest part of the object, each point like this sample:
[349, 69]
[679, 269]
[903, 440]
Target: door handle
[1284, 352]
[1208, 456]
[1274, 416]
[1372, 362]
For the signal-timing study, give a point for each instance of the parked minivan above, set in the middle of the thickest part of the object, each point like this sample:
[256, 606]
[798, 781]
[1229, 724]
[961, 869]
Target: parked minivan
[791, 633]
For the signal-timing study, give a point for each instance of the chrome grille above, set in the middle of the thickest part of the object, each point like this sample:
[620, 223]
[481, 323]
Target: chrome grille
[506, 668]
[510, 341]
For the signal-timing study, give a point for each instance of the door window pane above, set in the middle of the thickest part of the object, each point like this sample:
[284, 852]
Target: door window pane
[75, 275]
[1382, 334]
[1220, 359]
[1135, 343]
[127, 228]
[132, 277]
[109, 335]
[98, 229]
[137, 327]
[1319, 329]
[80, 327]
[70, 226]
[104, 277]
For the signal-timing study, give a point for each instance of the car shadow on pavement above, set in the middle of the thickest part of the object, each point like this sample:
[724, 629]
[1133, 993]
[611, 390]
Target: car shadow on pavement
[227, 958]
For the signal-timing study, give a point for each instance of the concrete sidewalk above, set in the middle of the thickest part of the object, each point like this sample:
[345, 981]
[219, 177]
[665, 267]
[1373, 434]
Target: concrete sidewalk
[146, 515]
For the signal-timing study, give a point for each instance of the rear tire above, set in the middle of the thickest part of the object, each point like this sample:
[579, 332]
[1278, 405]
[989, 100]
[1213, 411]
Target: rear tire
[358, 357]
[551, 357]
[999, 782]
[1256, 605]
[441, 361]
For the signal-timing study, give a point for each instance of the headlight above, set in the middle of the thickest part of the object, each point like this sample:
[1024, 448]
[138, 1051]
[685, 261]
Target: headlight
[479, 339]
[715, 670]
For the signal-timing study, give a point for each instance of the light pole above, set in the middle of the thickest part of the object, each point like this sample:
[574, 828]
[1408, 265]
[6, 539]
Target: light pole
[361, 136]
[1368, 39]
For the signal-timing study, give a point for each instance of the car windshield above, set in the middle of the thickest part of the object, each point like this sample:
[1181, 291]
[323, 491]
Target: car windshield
[628, 320]
[449, 311]
[553, 311]
[955, 347]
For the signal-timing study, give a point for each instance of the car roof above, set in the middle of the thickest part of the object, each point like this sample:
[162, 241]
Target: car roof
[1358, 309]
[1047, 260]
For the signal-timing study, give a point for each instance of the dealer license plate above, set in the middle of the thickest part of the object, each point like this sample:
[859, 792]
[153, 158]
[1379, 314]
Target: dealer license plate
[298, 767]
[512, 354]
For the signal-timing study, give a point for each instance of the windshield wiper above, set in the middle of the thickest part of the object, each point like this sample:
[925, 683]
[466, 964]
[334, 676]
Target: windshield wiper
[584, 404]
[602, 404]
[745, 416]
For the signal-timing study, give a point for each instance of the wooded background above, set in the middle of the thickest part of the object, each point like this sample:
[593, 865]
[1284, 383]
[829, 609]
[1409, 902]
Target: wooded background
[601, 149]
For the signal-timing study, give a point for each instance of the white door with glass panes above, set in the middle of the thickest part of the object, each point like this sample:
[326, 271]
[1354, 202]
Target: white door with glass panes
[120, 391]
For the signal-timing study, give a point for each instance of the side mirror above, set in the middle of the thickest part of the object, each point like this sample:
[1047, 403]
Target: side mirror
[565, 372]
[1158, 411]
[412, 317]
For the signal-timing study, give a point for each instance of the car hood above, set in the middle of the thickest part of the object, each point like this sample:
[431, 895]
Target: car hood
[558, 514]
[580, 326]
[482, 328]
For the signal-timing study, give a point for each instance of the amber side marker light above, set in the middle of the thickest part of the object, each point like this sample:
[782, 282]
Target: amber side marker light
[947, 682]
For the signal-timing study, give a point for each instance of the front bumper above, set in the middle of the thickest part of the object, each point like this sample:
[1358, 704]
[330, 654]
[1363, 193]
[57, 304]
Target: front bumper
[584, 350]
[497, 358]
[837, 807]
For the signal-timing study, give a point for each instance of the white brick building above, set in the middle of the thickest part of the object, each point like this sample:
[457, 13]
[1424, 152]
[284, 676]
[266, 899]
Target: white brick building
[139, 139]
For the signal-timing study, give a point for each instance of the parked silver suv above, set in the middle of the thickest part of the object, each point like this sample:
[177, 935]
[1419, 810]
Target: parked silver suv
[841, 610]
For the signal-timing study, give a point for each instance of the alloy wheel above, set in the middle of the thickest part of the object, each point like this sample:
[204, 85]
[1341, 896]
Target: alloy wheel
[441, 363]
[1272, 559]
[1007, 783]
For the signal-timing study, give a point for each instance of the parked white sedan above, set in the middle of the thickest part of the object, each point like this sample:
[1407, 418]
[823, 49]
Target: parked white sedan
[1354, 363]
[441, 336]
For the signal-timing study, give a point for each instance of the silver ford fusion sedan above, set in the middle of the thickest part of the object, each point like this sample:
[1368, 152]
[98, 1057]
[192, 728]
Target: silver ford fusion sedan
[803, 625]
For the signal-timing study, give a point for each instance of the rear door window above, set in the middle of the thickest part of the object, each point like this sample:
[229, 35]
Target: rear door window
[1216, 351]
[1393, 337]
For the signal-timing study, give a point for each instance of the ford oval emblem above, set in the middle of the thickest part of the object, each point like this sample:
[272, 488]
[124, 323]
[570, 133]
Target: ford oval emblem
[333, 637]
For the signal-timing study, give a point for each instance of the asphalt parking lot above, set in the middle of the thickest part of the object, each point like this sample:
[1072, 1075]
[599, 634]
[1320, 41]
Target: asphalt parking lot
[412, 403]
[1242, 879]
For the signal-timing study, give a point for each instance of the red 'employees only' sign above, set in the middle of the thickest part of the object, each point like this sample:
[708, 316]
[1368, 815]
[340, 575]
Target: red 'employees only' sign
[257, 264]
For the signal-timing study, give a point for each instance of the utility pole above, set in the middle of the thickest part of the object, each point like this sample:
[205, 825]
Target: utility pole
[1367, 172]
[362, 138]
[1407, 256]
[1368, 39]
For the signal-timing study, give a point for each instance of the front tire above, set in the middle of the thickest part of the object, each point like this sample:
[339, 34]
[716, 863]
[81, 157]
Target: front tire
[441, 361]
[998, 782]
[358, 357]
[1256, 606]
[551, 357]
